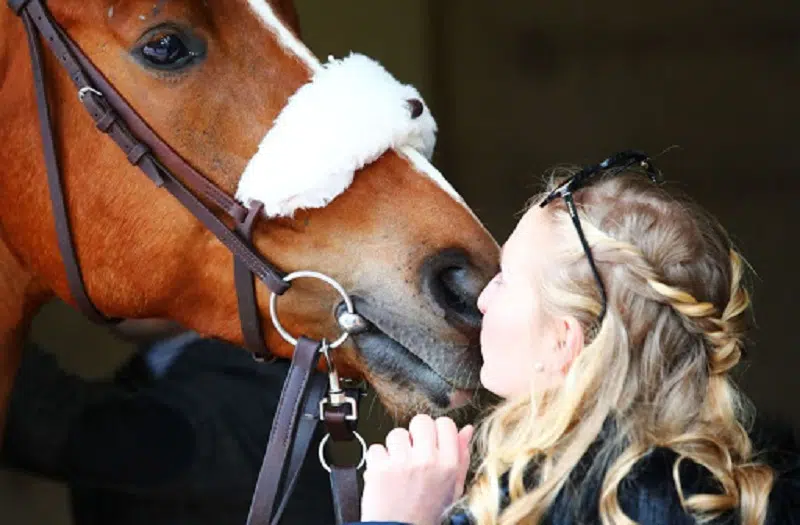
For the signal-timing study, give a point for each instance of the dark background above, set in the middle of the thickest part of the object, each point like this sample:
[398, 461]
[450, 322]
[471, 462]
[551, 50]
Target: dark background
[519, 86]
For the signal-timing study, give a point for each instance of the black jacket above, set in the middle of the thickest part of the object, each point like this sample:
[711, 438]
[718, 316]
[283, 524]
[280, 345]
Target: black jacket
[182, 449]
[648, 494]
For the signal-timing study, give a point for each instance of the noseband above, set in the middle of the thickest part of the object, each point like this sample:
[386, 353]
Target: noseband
[307, 397]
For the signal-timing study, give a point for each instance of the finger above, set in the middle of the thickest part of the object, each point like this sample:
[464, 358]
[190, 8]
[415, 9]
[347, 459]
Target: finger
[447, 434]
[423, 437]
[398, 444]
[464, 439]
[377, 457]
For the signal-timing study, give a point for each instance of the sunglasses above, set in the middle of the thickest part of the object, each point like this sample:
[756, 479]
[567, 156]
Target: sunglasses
[617, 163]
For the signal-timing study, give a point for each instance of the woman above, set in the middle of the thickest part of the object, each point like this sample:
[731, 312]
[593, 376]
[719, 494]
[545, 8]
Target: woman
[610, 332]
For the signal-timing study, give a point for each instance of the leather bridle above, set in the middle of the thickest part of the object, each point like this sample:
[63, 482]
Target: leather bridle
[303, 402]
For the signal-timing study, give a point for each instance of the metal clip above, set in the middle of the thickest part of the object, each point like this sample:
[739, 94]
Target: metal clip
[88, 89]
[336, 396]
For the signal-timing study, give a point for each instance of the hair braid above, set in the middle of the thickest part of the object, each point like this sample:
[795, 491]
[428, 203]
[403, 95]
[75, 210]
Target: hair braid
[724, 333]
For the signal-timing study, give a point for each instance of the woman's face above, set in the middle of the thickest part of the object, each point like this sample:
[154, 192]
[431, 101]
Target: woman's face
[520, 343]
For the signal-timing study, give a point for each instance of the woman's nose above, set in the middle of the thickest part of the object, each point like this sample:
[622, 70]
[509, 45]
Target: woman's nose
[483, 298]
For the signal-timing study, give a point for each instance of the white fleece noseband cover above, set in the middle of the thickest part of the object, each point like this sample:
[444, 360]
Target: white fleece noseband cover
[348, 115]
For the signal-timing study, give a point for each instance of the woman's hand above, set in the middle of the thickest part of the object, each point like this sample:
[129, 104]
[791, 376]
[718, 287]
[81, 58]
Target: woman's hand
[418, 474]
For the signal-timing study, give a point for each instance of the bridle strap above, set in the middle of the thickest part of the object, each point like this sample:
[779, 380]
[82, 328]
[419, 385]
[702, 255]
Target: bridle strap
[171, 160]
[304, 363]
[344, 479]
[345, 491]
[17, 5]
[344, 506]
[246, 293]
[75, 282]
[306, 427]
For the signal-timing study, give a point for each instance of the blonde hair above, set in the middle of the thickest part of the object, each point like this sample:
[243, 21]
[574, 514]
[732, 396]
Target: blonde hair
[657, 366]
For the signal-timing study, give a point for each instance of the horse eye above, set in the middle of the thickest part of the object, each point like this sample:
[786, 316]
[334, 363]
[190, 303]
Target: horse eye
[169, 51]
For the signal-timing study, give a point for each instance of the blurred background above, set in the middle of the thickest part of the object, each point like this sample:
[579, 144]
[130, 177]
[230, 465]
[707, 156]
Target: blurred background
[518, 87]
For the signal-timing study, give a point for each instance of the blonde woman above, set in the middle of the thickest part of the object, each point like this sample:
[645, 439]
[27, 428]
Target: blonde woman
[610, 332]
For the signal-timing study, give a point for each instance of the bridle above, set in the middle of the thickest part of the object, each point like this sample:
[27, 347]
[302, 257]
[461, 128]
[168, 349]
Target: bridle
[307, 397]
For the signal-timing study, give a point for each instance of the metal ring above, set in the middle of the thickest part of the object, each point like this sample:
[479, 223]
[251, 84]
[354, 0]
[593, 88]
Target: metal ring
[273, 305]
[322, 451]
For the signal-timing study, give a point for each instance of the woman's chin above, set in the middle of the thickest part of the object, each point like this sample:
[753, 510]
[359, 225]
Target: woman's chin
[488, 383]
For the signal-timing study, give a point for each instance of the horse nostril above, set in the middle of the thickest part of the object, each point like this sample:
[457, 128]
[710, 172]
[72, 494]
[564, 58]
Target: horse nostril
[460, 290]
[455, 284]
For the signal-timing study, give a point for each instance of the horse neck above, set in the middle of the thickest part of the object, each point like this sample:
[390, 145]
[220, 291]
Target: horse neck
[27, 231]
[9, 29]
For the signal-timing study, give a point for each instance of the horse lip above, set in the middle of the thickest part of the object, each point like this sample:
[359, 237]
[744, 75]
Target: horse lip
[363, 308]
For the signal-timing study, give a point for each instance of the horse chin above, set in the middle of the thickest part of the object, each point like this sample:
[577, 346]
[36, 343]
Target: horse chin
[405, 383]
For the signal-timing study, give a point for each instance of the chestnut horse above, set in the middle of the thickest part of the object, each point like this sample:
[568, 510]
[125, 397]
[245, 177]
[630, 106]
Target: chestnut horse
[212, 79]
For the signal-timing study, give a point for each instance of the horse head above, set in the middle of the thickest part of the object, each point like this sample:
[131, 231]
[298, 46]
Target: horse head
[337, 153]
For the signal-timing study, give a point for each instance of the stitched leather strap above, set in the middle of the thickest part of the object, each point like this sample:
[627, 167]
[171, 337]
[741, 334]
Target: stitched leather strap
[306, 425]
[304, 362]
[69, 258]
[17, 5]
[346, 494]
[163, 151]
[344, 479]
[349, 505]
[337, 424]
[246, 292]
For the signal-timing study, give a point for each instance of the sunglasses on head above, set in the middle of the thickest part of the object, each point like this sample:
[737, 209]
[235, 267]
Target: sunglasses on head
[617, 163]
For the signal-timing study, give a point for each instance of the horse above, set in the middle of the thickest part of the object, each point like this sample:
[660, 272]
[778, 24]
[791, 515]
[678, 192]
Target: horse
[230, 87]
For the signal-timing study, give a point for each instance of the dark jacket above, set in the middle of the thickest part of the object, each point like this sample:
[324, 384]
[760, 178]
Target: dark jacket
[184, 448]
[648, 494]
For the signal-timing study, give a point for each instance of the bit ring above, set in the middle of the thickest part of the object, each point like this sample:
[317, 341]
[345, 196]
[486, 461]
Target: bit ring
[273, 305]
